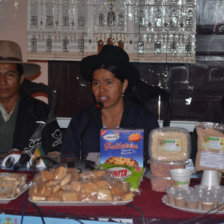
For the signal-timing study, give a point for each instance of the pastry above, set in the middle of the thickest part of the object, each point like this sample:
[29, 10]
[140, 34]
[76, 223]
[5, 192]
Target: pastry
[121, 161]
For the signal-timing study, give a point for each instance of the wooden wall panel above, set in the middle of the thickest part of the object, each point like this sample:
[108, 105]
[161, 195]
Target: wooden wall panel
[73, 93]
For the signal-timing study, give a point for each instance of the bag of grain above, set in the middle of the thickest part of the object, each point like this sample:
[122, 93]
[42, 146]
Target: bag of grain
[210, 146]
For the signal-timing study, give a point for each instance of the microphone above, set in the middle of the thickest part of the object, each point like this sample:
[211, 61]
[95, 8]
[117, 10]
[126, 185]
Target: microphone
[81, 163]
[98, 106]
[24, 158]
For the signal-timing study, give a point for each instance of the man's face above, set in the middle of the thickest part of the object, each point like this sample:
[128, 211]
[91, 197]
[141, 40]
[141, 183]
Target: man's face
[9, 82]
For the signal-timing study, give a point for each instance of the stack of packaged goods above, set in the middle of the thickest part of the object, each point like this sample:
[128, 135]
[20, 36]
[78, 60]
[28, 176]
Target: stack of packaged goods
[169, 148]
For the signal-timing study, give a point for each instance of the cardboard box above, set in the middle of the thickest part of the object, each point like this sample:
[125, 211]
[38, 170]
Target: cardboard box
[121, 151]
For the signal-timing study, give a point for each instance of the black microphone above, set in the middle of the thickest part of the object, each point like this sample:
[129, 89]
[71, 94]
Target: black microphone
[24, 158]
[81, 163]
[98, 106]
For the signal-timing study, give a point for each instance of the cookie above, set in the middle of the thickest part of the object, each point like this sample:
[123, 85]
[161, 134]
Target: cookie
[121, 161]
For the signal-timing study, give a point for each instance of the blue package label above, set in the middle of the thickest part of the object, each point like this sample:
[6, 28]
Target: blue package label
[122, 147]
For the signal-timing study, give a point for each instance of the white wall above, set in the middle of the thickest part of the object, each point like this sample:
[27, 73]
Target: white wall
[13, 26]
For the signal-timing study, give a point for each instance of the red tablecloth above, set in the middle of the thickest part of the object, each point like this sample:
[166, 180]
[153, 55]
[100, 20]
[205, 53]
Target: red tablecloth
[148, 202]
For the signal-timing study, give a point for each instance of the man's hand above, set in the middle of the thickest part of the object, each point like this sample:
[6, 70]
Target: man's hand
[55, 155]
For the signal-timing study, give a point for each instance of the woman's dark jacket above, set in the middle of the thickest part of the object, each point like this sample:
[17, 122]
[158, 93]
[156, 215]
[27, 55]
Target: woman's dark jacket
[134, 117]
[214, 114]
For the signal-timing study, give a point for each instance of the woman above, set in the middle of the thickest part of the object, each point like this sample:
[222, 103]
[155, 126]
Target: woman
[111, 76]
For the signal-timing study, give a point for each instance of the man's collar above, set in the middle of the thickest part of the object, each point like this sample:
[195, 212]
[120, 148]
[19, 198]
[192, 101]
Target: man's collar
[6, 116]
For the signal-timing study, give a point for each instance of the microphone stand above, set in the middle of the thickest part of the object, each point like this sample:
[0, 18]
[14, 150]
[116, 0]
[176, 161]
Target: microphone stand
[83, 164]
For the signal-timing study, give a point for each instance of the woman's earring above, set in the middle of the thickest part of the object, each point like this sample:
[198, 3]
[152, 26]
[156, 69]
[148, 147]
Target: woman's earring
[122, 94]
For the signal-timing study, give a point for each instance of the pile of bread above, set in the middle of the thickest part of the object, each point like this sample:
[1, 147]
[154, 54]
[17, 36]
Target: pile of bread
[12, 184]
[67, 184]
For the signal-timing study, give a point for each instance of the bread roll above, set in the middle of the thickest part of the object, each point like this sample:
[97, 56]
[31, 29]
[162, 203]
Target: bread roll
[59, 173]
[70, 196]
[65, 180]
[46, 175]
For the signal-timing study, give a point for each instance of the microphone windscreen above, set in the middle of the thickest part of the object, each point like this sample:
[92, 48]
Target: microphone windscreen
[22, 161]
[99, 105]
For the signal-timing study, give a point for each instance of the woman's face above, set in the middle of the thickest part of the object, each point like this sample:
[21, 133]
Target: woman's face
[107, 88]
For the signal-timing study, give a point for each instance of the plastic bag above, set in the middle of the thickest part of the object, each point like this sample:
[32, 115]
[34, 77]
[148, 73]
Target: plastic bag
[210, 146]
[169, 144]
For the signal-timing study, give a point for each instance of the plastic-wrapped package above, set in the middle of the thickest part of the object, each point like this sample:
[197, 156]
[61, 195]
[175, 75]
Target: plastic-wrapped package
[12, 184]
[160, 184]
[67, 184]
[210, 146]
[162, 169]
[169, 144]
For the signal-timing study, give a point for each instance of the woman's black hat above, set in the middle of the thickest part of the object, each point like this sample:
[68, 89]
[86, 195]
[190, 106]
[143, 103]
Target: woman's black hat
[110, 55]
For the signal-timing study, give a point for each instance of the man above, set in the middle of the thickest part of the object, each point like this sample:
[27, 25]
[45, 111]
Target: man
[21, 114]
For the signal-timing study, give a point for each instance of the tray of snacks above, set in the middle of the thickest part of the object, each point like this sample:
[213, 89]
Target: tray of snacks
[78, 203]
[64, 186]
[198, 199]
[214, 211]
[12, 185]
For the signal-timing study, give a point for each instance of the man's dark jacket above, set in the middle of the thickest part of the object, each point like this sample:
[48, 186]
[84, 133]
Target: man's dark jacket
[134, 117]
[30, 112]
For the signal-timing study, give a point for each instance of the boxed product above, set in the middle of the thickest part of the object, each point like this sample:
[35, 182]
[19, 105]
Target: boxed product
[210, 147]
[169, 144]
[121, 151]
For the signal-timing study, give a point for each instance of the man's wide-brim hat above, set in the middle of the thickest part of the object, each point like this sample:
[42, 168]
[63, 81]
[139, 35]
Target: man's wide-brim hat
[110, 55]
[10, 53]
